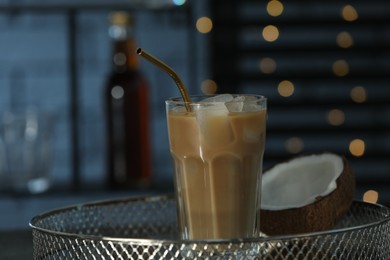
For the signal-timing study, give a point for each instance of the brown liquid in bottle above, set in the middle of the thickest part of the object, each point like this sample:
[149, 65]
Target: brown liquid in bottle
[127, 107]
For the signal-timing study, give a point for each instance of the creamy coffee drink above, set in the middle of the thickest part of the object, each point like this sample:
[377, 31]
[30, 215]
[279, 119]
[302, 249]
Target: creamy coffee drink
[217, 151]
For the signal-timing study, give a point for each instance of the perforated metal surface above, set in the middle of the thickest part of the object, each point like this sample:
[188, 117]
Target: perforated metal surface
[145, 228]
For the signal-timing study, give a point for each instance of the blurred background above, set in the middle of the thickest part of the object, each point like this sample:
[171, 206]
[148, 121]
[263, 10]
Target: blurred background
[323, 65]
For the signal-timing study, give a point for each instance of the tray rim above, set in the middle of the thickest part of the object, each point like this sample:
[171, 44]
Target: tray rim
[147, 241]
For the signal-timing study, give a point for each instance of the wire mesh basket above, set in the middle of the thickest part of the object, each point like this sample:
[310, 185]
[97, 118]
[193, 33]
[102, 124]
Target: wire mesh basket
[146, 228]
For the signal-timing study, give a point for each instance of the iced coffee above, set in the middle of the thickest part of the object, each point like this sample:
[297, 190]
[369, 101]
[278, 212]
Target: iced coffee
[217, 146]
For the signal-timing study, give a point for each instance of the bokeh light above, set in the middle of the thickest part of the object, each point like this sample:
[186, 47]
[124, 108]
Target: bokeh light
[179, 2]
[209, 87]
[117, 92]
[120, 59]
[344, 40]
[204, 24]
[371, 196]
[286, 88]
[357, 147]
[358, 94]
[340, 68]
[267, 65]
[294, 145]
[275, 8]
[270, 33]
[349, 13]
[336, 117]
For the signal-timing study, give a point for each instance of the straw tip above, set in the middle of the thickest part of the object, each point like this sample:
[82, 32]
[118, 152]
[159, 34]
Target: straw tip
[139, 51]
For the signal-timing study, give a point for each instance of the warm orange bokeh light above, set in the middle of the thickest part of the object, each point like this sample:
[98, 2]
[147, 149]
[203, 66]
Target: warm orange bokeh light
[209, 87]
[336, 117]
[294, 145]
[270, 33]
[286, 88]
[204, 24]
[267, 65]
[358, 94]
[371, 196]
[344, 40]
[340, 68]
[275, 8]
[349, 13]
[357, 147]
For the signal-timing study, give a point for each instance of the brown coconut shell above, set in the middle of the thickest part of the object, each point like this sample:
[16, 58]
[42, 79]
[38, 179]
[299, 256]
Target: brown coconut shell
[321, 215]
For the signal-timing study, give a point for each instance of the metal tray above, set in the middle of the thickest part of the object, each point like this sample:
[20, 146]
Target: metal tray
[146, 228]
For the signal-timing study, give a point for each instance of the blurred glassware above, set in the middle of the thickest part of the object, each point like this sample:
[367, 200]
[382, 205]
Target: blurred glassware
[26, 151]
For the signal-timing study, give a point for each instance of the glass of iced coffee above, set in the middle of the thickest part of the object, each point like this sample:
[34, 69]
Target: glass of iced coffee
[217, 147]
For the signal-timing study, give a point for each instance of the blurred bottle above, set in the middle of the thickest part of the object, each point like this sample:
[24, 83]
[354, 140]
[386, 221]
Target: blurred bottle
[127, 107]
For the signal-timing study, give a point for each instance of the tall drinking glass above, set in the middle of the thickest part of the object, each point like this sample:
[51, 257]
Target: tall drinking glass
[26, 151]
[217, 147]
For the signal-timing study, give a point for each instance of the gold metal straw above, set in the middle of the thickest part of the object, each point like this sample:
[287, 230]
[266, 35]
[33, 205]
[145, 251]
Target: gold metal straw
[171, 72]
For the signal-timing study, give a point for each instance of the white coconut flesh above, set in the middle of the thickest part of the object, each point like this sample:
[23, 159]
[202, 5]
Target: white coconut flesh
[301, 181]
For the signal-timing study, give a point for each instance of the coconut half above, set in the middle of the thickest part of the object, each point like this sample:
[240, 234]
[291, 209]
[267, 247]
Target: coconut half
[306, 194]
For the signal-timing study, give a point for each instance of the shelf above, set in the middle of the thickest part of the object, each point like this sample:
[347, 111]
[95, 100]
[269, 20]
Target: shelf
[63, 5]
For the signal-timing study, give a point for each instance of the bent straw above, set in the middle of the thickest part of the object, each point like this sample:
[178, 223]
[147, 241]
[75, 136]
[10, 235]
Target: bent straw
[170, 72]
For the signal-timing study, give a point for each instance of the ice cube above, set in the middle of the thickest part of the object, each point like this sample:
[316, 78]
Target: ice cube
[219, 98]
[236, 104]
[215, 106]
[214, 123]
[250, 104]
